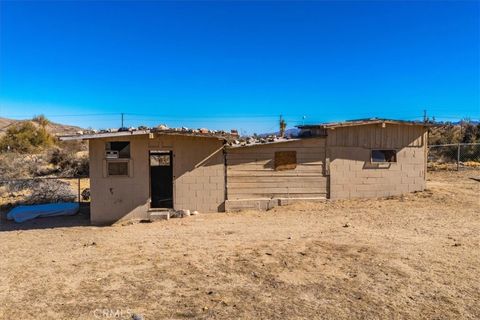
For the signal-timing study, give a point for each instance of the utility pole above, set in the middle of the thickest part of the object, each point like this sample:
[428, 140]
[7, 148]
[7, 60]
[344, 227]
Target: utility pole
[122, 119]
[425, 119]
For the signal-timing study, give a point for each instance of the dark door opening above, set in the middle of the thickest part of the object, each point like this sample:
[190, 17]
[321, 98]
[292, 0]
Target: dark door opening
[161, 179]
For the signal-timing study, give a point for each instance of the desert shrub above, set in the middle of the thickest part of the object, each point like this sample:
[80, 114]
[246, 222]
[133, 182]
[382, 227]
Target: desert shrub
[470, 133]
[49, 191]
[447, 133]
[83, 166]
[37, 191]
[25, 138]
[57, 162]
[41, 120]
[72, 146]
[68, 162]
[18, 166]
[59, 157]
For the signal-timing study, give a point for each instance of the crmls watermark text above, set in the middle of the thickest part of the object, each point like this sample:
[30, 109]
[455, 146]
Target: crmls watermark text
[107, 313]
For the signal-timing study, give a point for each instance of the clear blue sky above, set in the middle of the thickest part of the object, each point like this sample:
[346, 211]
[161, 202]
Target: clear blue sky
[238, 64]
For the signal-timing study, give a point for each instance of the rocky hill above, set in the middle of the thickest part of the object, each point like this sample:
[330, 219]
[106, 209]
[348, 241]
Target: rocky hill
[53, 128]
[460, 132]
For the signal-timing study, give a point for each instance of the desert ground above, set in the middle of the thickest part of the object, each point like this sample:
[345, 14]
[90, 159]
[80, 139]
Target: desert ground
[410, 257]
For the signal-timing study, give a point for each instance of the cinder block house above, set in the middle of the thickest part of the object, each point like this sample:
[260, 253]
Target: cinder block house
[133, 174]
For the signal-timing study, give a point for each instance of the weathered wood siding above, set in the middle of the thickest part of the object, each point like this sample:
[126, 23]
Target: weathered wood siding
[375, 136]
[251, 173]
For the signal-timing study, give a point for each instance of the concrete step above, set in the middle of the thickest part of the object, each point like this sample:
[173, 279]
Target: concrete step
[159, 215]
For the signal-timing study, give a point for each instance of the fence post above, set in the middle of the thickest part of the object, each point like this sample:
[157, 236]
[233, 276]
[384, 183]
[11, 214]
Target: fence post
[458, 157]
[79, 191]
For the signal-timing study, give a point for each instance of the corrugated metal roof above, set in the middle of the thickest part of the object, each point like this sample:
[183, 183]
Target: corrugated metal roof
[360, 122]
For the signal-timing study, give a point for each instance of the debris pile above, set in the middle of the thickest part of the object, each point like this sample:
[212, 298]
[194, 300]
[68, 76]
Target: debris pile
[253, 140]
[182, 213]
[232, 137]
[205, 131]
[163, 128]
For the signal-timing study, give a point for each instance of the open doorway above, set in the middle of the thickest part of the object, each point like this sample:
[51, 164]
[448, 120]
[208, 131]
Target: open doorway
[161, 179]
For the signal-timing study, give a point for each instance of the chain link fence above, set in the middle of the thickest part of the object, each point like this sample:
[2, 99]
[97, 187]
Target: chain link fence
[454, 156]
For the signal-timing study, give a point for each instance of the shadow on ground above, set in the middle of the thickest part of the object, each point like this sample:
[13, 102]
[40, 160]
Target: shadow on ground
[80, 219]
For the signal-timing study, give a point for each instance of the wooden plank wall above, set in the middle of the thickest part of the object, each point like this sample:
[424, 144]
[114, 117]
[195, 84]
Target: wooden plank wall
[251, 174]
[374, 136]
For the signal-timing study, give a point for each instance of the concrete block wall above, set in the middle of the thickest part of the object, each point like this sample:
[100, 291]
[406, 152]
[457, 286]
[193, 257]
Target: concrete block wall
[198, 182]
[198, 171]
[352, 175]
[199, 185]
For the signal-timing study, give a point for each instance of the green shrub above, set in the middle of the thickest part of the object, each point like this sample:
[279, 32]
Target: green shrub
[25, 138]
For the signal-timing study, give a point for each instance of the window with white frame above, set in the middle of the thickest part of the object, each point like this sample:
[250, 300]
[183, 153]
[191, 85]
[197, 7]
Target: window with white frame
[117, 157]
[117, 168]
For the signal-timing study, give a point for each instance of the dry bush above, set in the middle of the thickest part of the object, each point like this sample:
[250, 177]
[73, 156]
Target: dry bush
[30, 151]
[69, 163]
[73, 146]
[57, 162]
[35, 191]
[49, 191]
[18, 166]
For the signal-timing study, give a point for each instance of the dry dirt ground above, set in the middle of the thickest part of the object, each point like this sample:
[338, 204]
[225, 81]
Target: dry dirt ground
[415, 257]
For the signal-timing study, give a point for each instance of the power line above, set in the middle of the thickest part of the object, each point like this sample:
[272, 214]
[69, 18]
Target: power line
[216, 118]
[62, 115]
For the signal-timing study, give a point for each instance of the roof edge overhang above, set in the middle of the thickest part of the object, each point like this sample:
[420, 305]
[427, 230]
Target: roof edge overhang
[363, 122]
[104, 135]
[139, 133]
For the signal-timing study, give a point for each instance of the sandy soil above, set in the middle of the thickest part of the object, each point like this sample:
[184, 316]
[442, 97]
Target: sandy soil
[415, 257]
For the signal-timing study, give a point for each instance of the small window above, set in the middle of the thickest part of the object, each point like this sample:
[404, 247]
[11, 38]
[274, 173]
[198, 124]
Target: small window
[117, 168]
[118, 149]
[285, 160]
[384, 156]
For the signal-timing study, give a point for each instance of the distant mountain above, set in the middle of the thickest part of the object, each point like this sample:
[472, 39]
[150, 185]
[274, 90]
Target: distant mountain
[53, 128]
[474, 122]
[292, 132]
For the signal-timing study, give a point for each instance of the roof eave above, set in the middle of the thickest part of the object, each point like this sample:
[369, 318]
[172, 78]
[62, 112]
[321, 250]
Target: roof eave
[362, 123]
[138, 133]
[104, 135]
